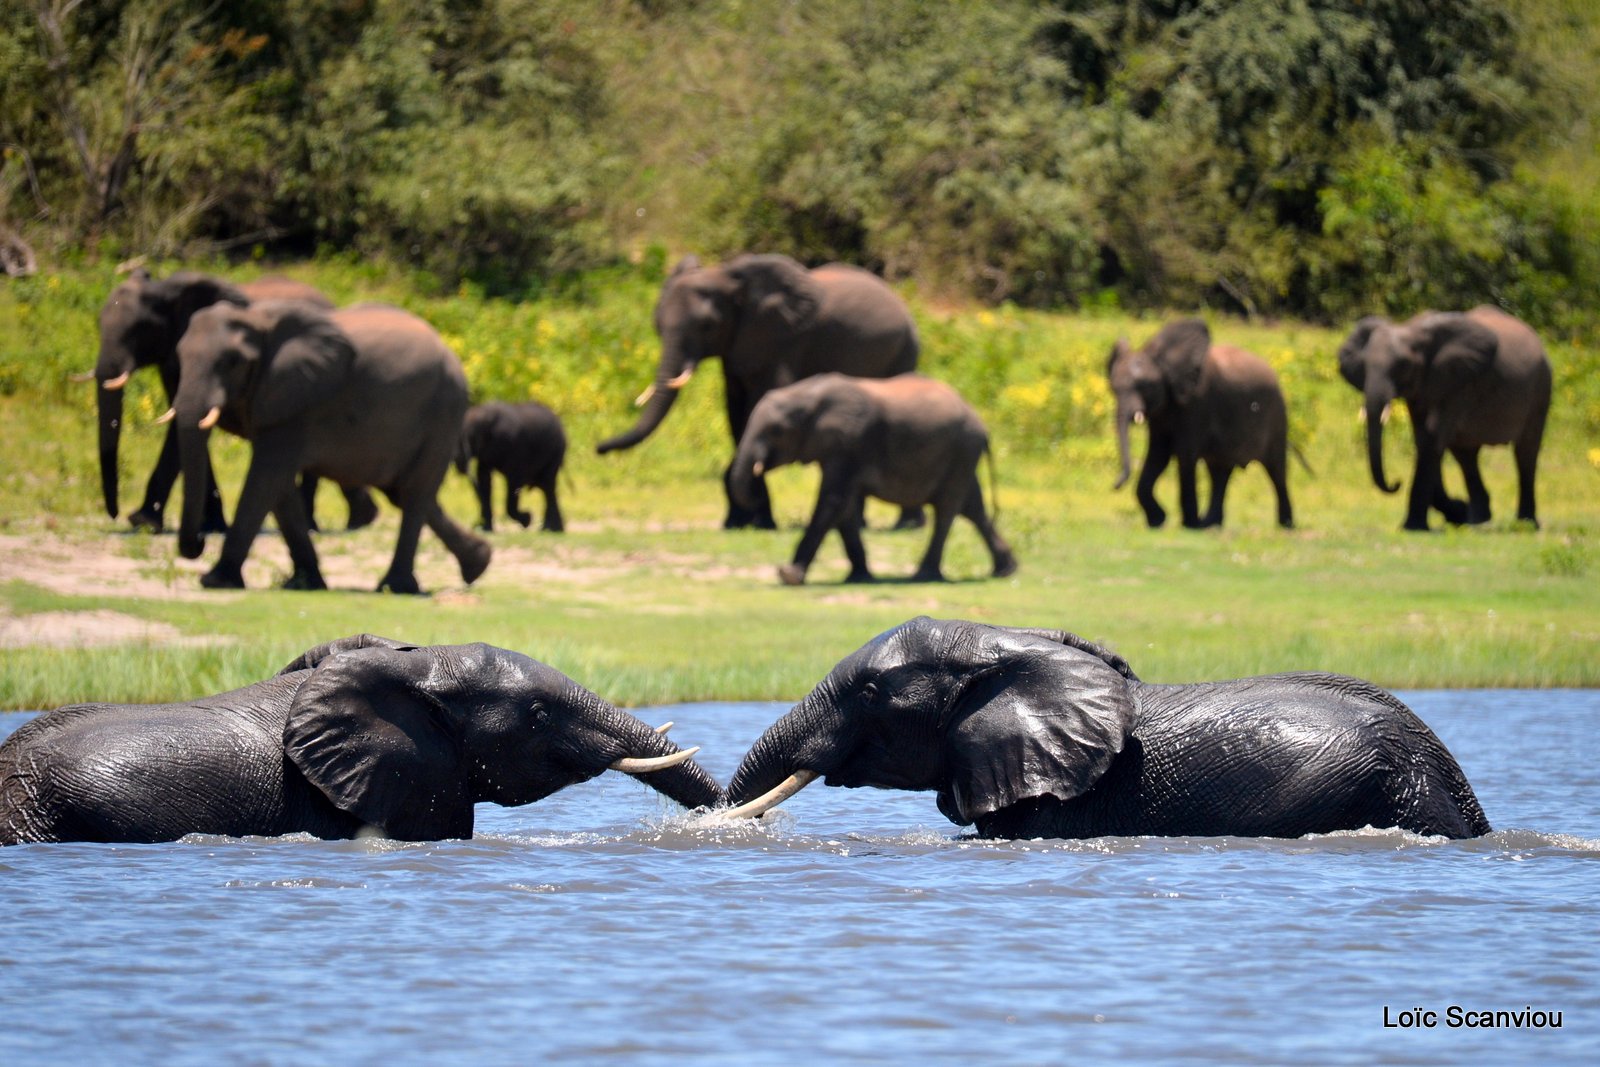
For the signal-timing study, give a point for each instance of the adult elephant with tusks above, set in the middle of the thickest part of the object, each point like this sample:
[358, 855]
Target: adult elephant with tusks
[1468, 380]
[368, 395]
[364, 736]
[140, 326]
[1031, 733]
[772, 322]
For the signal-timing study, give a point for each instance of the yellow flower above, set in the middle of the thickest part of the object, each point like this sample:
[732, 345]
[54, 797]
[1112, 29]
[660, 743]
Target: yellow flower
[1594, 458]
[1032, 397]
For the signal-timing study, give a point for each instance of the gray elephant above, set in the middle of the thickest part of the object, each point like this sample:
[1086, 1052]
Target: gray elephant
[772, 322]
[1031, 733]
[908, 440]
[368, 395]
[527, 445]
[1468, 380]
[140, 325]
[364, 736]
[1202, 402]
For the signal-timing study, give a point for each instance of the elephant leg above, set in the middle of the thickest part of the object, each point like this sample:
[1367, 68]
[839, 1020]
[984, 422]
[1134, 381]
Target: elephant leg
[296, 529]
[911, 519]
[1426, 489]
[553, 523]
[1277, 466]
[739, 405]
[308, 499]
[1477, 494]
[401, 576]
[1155, 463]
[514, 504]
[1005, 563]
[835, 502]
[363, 509]
[1188, 494]
[931, 567]
[855, 551]
[1220, 472]
[472, 552]
[485, 486]
[152, 512]
[1526, 451]
[273, 467]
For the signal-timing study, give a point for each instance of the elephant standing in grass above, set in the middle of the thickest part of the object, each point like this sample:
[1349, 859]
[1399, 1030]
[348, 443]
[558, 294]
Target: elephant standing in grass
[140, 325]
[1468, 380]
[368, 395]
[1030, 733]
[1202, 402]
[363, 736]
[772, 322]
[526, 444]
[908, 440]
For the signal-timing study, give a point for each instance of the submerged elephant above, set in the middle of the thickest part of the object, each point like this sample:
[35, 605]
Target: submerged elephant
[1468, 380]
[361, 736]
[908, 440]
[1203, 402]
[140, 325]
[527, 445]
[368, 395]
[772, 322]
[1038, 733]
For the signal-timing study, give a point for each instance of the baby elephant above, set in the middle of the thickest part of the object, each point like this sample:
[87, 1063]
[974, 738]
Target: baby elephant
[526, 444]
[908, 440]
[364, 736]
[1202, 402]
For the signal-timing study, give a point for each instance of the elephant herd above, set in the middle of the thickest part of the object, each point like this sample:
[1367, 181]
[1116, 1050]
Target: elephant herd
[1020, 733]
[819, 366]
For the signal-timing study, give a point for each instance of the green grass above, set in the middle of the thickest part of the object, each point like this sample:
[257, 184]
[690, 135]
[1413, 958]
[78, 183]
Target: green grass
[646, 601]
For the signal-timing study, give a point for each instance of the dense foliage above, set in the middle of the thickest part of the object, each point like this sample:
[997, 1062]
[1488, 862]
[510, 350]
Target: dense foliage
[1313, 157]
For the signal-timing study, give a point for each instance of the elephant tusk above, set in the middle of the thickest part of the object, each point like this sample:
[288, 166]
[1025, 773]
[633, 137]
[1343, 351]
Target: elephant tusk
[664, 727]
[1383, 418]
[632, 765]
[681, 380]
[759, 469]
[1361, 414]
[211, 418]
[85, 376]
[644, 398]
[1138, 418]
[166, 416]
[116, 383]
[764, 803]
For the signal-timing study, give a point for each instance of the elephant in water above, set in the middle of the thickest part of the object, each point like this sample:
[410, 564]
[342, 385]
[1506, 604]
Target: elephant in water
[1038, 733]
[1203, 402]
[1468, 380]
[367, 395]
[772, 322]
[140, 325]
[360, 736]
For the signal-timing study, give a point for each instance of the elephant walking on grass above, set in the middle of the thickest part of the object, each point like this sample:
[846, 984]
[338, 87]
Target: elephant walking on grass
[772, 322]
[1468, 380]
[368, 395]
[527, 445]
[364, 736]
[1202, 402]
[1031, 733]
[908, 440]
[140, 326]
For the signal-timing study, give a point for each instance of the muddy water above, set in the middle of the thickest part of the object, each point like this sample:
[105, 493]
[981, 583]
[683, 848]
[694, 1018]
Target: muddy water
[857, 926]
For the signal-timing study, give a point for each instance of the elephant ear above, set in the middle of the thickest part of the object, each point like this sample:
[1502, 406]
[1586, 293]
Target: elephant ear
[368, 731]
[1180, 351]
[777, 287]
[187, 291]
[1042, 717]
[839, 416]
[1119, 352]
[311, 657]
[305, 358]
[1353, 353]
[1456, 349]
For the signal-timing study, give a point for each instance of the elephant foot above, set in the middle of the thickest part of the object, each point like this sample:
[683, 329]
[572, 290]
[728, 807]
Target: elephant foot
[925, 574]
[191, 546]
[1456, 512]
[310, 580]
[521, 518]
[404, 584]
[363, 510]
[861, 577]
[474, 560]
[1155, 519]
[1415, 526]
[223, 576]
[792, 574]
[554, 527]
[1005, 565]
[147, 519]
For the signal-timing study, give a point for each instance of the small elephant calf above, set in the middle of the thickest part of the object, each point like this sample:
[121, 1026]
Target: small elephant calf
[527, 445]
[908, 440]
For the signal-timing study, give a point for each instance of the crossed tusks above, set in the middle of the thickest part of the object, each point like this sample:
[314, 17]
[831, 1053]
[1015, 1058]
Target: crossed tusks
[676, 383]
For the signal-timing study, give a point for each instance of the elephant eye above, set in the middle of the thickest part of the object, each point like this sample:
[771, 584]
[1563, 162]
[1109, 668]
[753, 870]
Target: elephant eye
[869, 694]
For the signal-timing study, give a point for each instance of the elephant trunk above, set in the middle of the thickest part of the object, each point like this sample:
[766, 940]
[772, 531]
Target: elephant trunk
[671, 375]
[194, 423]
[796, 749]
[1378, 400]
[1124, 417]
[685, 782]
[749, 464]
[110, 401]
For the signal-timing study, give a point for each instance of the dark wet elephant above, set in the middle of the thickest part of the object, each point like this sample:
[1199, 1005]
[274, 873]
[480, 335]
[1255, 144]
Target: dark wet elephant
[368, 395]
[140, 325]
[772, 322]
[1468, 380]
[363, 736]
[1203, 403]
[525, 444]
[1039, 733]
[908, 440]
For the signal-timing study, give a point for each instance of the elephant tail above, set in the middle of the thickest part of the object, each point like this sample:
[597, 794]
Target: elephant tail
[1301, 456]
[994, 485]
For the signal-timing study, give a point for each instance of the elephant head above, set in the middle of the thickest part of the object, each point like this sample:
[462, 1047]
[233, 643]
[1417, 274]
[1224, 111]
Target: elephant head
[408, 739]
[1430, 356]
[807, 422]
[251, 369]
[140, 325]
[987, 716]
[704, 312]
[1162, 375]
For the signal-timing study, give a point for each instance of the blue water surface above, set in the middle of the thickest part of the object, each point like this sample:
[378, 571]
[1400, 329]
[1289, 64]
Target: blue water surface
[856, 925]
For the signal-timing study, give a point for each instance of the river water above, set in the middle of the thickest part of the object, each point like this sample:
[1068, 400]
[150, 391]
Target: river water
[858, 926]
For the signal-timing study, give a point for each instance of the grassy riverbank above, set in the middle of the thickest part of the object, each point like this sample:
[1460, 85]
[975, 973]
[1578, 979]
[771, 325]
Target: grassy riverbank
[645, 600]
